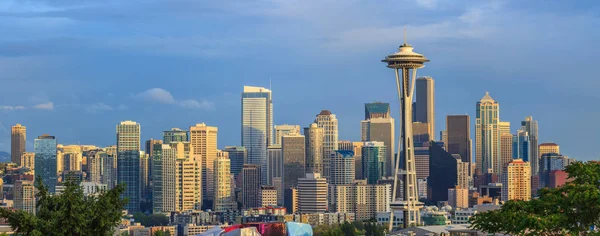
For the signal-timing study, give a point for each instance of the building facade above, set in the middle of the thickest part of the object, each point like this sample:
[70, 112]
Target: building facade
[373, 161]
[458, 197]
[238, 157]
[425, 104]
[314, 148]
[531, 127]
[312, 194]
[257, 125]
[292, 147]
[521, 146]
[24, 196]
[382, 130]
[361, 199]
[274, 164]
[342, 168]
[45, 161]
[18, 137]
[516, 181]
[377, 110]
[223, 200]
[128, 162]
[281, 130]
[268, 196]
[487, 136]
[251, 186]
[175, 135]
[164, 179]
[506, 144]
[203, 139]
[329, 123]
[458, 136]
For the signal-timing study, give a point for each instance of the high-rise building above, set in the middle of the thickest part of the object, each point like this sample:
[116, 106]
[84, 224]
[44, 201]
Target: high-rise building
[425, 109]
[164, 197]
[278, 184]
[506, 144]
[421, 151]
[72, 161]
[281, 130]
[145, 188]
[458, 197]
[421, 132]
[203, 139]
[109, 168]
[148, 148]
[459, 133]
[291, 200]
[521, 143]
[268, 196]
[28, 160]
[382, 130]
[45, 160]
[274, 164]
[312, 194]
[361, 199]
[546, 148]
[128, 162]
[24, 196]
[292, 147]
[531, 127]
[516, 181]
[342, 168]
[356, 147]
[487, 136]
[329, 123]
[175, 135]
[188, 178]
[238, 157]
[442, 173]
[257, 125]
[314, 148]
[223, 196]
[462, 173]
[551, 162]
[251, 186]
[94, 162]
[377, 110]
[373, 161]
[17, 143]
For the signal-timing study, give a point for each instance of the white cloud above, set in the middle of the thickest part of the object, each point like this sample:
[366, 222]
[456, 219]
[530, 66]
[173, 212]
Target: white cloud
[97, 107]
[427, 3]
[11, 108]
[45, 106]
[162, 96]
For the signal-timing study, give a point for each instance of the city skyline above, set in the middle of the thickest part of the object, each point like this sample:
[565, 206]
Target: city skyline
[136, 96]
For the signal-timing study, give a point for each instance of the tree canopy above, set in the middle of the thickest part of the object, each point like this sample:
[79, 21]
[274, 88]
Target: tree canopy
[571, 209]
[350, 229]
[69, 213]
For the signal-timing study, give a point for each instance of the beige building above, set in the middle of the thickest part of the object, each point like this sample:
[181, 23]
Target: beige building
[329, 123]
[24, 196]
[94, 164]
[342, 168]
[361, 199]
[458, 197]
[506, 142]
[487, 136]
[314, 148]
[312, 194]
[223, 200]
[463, 173]
[282, 130]
[268, 196]
[188, 177]
[421, 132]
[382, 130]
[546, 148]
[204, 145]
[17, 143]
[28, 160]
[516, 181]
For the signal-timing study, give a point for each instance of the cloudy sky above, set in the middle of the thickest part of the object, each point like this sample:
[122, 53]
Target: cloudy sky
[76, 68]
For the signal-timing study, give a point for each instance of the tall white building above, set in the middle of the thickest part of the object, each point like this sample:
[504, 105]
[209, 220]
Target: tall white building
[329, 123]
[342, 168]
[361, 199]
[24, 196]
[487, 135]
[203, 139]
[223, 198]
[188, 177]
[257, 125]
[281, 130]
[312, 194]
[164, 178]
[128, 162]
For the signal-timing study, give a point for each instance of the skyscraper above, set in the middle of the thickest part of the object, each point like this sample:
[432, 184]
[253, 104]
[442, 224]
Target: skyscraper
[24, 196]
[443, 168]
[546, 148]
[223, 197]
[521, 143]
[364, 200]
[109, 168]
[274, 164]
[516, 181]
[531, 127]
[164, 182]
[175, 135]
[377, 110]
[314, 148]
[148, 148]
[342, 168]
[238, 157]
[188, 178]
[203, 139]
[381, 129]
[268, 196]
[94, 163]
[458, 136]
[421, 132]
[17, 143]
[45, 160]
[128, 162]
[281, 130]
[251, 186]
[551, 162]
[257, 125]
[487, 135]
[28, 160]
[425, 109]
[293, 159]
[145, 188]
[329, 123]
[312, 194]
[373, 161]
[506, 145]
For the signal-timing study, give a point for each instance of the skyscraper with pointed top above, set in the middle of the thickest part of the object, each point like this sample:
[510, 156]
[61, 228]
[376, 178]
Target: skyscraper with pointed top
[257, 125]
[487, 135]
[329, 123]
[531, 127]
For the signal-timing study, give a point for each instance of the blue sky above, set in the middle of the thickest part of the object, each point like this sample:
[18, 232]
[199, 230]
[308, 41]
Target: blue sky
[76, 68]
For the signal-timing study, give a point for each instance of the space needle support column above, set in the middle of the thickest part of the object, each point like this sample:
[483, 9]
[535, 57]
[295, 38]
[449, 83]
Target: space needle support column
[396, 158]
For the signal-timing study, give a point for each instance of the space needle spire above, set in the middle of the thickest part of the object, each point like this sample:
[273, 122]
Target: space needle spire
[405, 63]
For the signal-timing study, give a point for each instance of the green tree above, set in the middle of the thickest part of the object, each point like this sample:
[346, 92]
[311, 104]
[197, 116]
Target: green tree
[162, 233]
[567, 210]
[69, 213]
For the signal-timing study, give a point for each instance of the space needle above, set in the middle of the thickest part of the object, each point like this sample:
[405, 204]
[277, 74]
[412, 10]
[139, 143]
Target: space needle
[405, 63]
